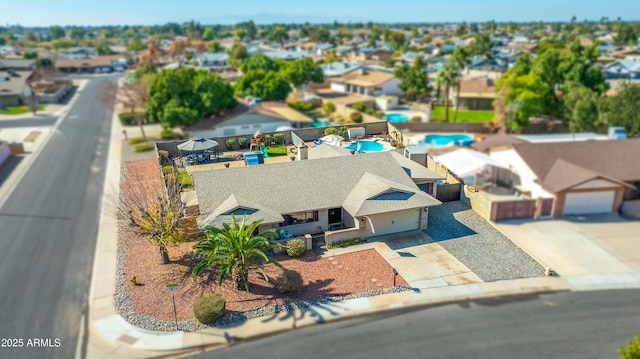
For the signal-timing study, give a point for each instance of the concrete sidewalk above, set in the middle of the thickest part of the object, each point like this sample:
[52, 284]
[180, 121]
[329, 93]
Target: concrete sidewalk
[110, 336]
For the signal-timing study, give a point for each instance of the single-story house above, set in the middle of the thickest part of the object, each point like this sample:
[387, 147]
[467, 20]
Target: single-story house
[287, 55]
[246, 120]
[214, 62]
[344, 197]
[367, 82]
[338, 69]
[370, 54]
[622, 69]
[17, 64]
[14, 87]
[77, 53]
[475, 94]
[90, 64]
[583, 177]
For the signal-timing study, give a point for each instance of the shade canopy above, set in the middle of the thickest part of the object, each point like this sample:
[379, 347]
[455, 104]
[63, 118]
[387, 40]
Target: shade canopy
[333, 140]
[198, 144]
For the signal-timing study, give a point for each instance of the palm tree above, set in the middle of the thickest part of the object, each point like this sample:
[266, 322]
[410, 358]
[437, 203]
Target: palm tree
[235, 249]
[447, 77]
[460, 59]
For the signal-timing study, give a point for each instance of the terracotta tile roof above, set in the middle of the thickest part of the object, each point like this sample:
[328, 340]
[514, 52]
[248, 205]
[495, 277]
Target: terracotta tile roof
[497, 140]
[616, 160]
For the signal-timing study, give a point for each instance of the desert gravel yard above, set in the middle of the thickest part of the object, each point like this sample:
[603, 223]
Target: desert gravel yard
[478, 245]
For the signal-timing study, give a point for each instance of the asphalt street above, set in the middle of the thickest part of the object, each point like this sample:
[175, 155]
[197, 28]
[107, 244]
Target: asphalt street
[48, 230]
[561, 325]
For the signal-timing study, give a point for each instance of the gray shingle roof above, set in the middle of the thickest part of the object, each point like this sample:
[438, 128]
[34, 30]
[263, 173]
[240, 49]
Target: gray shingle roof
[299, 186]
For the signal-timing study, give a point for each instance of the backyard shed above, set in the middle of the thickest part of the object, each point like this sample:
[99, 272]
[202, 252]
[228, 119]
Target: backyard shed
[474, 168]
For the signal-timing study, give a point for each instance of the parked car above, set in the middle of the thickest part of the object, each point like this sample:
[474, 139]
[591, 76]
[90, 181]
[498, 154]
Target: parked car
[98, 70]
[119, 68]
[107, 70]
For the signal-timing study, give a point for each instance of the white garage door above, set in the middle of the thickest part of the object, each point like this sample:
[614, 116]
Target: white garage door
[589, 202]
[393, 222]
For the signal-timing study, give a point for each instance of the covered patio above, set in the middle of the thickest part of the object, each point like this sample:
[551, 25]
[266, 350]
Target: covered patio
[199, 151]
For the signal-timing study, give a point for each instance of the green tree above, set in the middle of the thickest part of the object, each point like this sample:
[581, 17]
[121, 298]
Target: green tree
[547, 66]
[77, 33]
[237, 54]
[62, 44]
[214, 47]
[625, 34]
[181, 96]
[319, 35]
[3, 41]
[277, 34]
[397, 40]
[623, 109]
[329, 108]
[57, 32]
[414, 81]
[481, 46]
[300, 72]
[103, 48]
[240, 34]
[44, 62]
[581, 109]
[209, 34]
[528, 91]
[259, 62]
[462, 29]
[268, 85]
[30, 55]
[235, 250]
[459, 59]
[491, 27]
[632, 350]
[447, 78]
[134, 44]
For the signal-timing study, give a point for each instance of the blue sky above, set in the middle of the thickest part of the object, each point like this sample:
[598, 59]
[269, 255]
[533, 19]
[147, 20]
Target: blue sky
[145, 12]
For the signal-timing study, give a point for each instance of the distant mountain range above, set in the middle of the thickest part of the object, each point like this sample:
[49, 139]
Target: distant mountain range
[269, 18]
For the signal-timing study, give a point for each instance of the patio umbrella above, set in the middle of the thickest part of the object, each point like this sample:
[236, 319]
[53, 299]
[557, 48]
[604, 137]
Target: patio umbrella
[198, 144]
[333, 140]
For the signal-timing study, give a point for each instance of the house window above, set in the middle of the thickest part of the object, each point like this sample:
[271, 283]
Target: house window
[300, 218]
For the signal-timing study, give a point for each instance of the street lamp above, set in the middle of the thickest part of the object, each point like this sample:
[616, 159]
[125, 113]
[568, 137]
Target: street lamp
[172, 287]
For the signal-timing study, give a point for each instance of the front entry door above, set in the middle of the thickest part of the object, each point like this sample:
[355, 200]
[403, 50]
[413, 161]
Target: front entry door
[335, 215]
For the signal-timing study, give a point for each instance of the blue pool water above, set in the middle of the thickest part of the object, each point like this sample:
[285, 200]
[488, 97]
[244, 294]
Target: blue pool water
[448, 140]
[396, 117]
[365, 146]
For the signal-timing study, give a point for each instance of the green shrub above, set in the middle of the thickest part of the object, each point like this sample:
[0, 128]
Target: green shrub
[144, 147]
[370, 111]
[209, 308]
[279, 138]
[136, 140]
[330, 131]
[416, 119]
[242, 142]
[345, 243]
[277, 151]
[300, 106]
[167, 169]
[399, 145]
[379, 114]
[169, 135]
[632, 350]
[343, 130]
[185, 179]
[127, 118]
[267, 139]
[359, 107]
[231, 143]
[359, 137]
[329, 108]
[356, 117]
[289, 282]
[296, 247]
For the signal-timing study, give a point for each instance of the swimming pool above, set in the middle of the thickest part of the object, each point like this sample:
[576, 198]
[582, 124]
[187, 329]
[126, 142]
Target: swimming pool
[365, 146]
[449, 140]
[397, 117]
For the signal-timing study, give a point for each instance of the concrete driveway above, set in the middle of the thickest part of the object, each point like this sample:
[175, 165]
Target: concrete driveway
[592, 244]
[421, 262]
